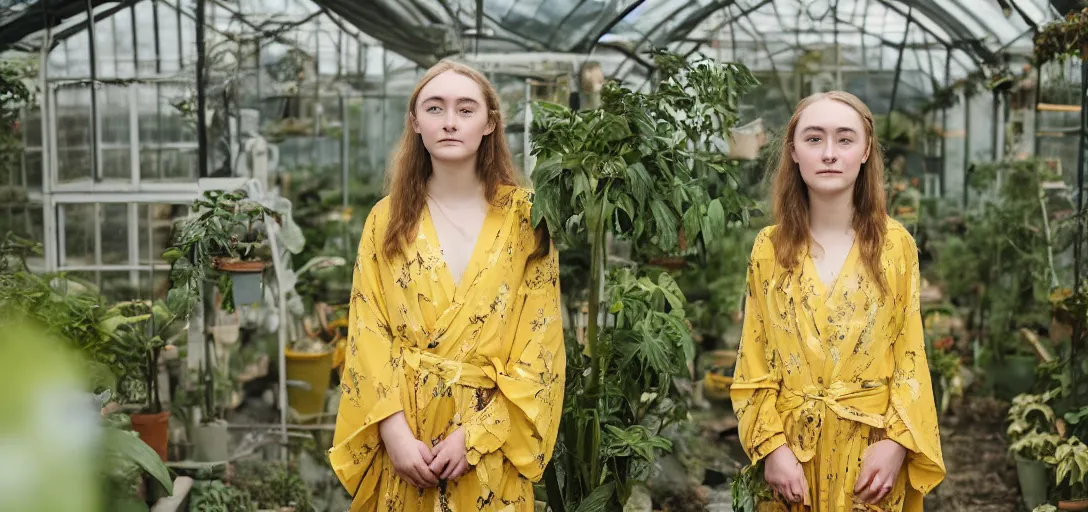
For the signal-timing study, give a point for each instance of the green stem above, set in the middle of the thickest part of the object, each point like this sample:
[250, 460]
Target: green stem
[551, 484]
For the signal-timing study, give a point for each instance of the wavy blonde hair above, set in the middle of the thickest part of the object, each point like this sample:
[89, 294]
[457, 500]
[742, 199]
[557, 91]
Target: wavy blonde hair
[791, 203]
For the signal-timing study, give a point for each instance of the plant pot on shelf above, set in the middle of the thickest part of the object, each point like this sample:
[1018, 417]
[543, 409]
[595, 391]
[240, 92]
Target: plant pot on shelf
[211, 441]
[308, 376]
[1081, 504]
[1033, 476]
[245, 279]
[154, 430]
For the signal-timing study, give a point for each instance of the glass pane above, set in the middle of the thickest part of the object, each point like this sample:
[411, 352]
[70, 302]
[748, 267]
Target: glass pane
[32, 128]
[74, 139]
[145, 37]
[105, 55]
[168, 37]
[117, 286]
[10, 167]
[147, 106]
[155, 285]
[32, 169]
[24, 220]
[79, 227]
[114, 223]
[155, 237]
[114, 110]
[116, 163]
[124, 53]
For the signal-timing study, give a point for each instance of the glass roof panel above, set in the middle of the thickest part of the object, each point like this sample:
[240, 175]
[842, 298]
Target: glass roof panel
[427, 30]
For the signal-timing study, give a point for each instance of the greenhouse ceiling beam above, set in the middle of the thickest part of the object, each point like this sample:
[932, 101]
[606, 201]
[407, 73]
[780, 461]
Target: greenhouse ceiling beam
[720, 6]
[975, 49]
[898, 70]
[34, 19]
[646, 37]
[744, 13]
[589, 45]
[1023, 15]
[559, 26]
[59, 37]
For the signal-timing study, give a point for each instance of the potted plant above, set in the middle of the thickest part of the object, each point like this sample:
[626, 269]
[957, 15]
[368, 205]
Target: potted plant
[143, 332]
[310, 361]
[273, 486]
[1064, 38]
[208, 433]
[1032, 441]
[637, 168]
[1071, 459]
[224, 240]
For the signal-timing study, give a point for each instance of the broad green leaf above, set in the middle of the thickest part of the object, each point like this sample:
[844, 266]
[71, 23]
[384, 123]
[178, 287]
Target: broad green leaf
[597, 501]
[665, 222]
[130, 447]
[692, 223]
[581, 185]
[172, 254]
[110, 324]
[716, 218]
[640, 182]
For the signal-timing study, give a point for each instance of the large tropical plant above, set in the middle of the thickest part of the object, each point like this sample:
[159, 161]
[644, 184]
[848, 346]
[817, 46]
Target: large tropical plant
[636, 168]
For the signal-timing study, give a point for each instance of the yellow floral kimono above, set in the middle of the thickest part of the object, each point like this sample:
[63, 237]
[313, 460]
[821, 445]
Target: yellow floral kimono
[486, 354]
[831, 371]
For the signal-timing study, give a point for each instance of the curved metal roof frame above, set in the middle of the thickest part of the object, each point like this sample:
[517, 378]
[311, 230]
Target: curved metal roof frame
[427, 30]
[979, 27]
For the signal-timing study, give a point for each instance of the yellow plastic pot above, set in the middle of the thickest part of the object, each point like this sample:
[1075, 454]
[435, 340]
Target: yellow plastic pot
[311, 372]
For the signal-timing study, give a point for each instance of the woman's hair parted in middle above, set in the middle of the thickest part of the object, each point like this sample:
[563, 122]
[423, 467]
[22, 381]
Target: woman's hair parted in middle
[791, 202]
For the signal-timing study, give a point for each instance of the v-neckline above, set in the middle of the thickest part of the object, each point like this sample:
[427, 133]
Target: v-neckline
[453, 287]
[826, 291]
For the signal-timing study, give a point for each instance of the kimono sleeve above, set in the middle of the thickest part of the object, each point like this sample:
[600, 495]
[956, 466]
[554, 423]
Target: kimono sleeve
[370, 386]
[911, 418]
[522, 419]
[755, 380]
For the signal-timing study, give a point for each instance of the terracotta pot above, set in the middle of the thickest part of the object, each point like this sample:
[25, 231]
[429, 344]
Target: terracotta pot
[674, 263]
[245, 278]
[154, 430]
[233, 265]
[1081, 504]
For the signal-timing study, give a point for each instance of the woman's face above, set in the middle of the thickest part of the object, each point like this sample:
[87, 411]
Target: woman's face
[829, 146]
[451, 116]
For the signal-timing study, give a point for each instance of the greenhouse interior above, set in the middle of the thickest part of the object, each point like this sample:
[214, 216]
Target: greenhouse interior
[142, 142]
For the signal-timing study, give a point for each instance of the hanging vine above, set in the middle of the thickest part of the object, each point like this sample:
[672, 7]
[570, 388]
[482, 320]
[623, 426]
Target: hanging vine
[1063, 38]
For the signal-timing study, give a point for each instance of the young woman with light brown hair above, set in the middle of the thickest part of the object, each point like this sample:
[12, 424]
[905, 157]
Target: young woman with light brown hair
[453, 385]
[832, 387]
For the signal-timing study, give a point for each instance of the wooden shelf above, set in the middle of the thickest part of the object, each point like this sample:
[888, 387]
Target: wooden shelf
[1052, 107]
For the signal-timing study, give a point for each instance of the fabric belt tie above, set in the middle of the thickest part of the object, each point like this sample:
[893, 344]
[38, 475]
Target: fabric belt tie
[803, 411]
[450, 371]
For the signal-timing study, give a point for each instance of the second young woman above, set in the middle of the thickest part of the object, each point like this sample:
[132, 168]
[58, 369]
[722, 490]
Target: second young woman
[832, 387]
[453, 387]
